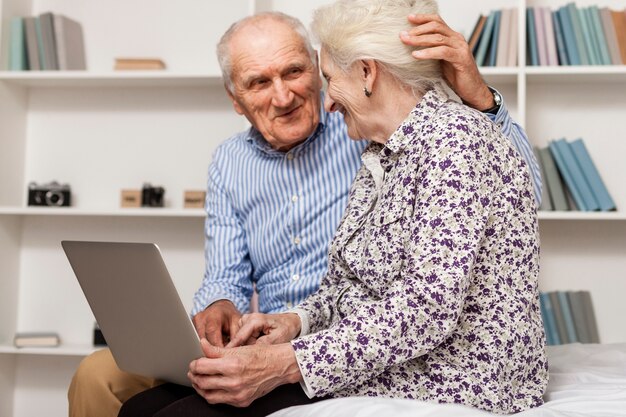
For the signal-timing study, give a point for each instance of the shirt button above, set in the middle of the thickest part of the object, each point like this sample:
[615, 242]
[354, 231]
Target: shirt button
[290, 156]
[295, 277]
[296, 240]
[294, 198]
[289, 304]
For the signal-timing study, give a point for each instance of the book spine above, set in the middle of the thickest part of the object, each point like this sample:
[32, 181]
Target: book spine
[477, 33]
[503, 37]
[567, 317]
[588, 37]
[40, 46]
[485, 39]
[553, 58]
[513, 37]
[546, 202]
[560, 42]
[554, 180]
[552, 334]
[590, 316]
[578, 314]
[610, 35]
[596, 24]
[591, 174]
[568, 179]
[531, 37]
[619, 22]
[49, 44]
[573, 167]
[578, 33]
[569, 37]
[558, 317]
[17, 49]
[32, 44]
[540, 31]
[493, 45]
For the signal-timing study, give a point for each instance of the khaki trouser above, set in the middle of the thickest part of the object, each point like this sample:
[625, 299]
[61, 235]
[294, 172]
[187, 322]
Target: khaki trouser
[99, 387]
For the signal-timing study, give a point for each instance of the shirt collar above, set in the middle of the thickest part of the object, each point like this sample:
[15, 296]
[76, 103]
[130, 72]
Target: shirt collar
[255, 137]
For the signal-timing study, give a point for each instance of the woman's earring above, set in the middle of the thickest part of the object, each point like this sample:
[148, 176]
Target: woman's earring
[367, 92]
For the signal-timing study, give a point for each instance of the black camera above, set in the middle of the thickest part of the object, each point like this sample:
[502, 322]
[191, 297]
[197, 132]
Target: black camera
[51, 194]
[152, 196]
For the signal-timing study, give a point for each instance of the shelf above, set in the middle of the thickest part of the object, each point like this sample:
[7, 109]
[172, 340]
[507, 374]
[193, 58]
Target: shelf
[577, 74]
[127, 212]
[582, 215]
[63, 350]
[109, 79]
[500, 75]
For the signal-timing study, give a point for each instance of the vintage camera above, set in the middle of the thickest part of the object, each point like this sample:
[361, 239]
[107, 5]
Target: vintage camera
[50, 194]
[152, 196]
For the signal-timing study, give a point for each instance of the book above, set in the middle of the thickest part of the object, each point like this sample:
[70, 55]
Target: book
[546, 202]
[578, 33]
[553, 180]
[40, 46]
[578, 314]
[568, 36]
[503, 38]
[560, 42]
[531, 38]
[619, 23]
[32, 44]
[592, 176]
[610, 36]
[17, 50]
[490, 58]
[588, 40]
[36, 339]
[139, 64]
[70, 45]
[572, 175]
[512, 48]
[485, 40]
[477, 33]
[540, 33]
[567, 316]
[49, 48]
[553, 58]
[549, 325]
[590, 317]
[558, 317]
[602, 45]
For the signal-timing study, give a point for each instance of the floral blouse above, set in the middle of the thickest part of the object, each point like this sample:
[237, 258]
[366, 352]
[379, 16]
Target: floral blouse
[431, 291]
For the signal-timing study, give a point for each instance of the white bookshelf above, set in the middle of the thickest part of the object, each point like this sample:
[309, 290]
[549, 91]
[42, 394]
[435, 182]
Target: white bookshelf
[102, 131]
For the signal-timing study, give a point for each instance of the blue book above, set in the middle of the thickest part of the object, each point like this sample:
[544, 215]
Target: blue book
[531, 37]
[567, 316]
[485, 39]
[596, 21]
[590, 202]
[17, 46]
[493, 48]
[588, 36]
[599, 190]
[568, 179]
[578, 33]
[573, 57]
[550, 322]
[544, 318]
[560, 42]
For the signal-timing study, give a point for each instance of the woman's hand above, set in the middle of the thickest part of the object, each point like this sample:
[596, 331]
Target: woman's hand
[457, 62]
[241, 375]
[269, 329]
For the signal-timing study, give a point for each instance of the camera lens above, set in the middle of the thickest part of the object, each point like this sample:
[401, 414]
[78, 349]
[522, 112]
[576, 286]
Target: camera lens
[54, 198]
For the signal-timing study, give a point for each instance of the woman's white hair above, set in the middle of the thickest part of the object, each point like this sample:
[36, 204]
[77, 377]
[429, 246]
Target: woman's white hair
[223, 46]
[352, 30]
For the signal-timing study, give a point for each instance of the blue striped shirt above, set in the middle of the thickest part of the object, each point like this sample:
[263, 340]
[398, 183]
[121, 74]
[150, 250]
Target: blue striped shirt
[271, 215]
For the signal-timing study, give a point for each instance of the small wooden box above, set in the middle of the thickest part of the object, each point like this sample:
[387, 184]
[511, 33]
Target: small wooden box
[194, 199]
[131, 198]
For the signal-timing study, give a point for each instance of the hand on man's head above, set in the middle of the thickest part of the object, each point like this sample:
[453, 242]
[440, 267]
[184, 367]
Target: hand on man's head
[218, 322]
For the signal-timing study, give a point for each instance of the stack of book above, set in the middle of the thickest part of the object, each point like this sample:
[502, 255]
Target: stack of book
[575, 36]
[494, 39]
[571, 180]
[46, 42]
[568, 317]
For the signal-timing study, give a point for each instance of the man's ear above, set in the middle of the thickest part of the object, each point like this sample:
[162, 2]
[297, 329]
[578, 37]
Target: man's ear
[236, 104]
[368, 72]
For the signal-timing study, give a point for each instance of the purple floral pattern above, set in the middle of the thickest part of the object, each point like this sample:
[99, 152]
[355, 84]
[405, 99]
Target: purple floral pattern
[431, 291]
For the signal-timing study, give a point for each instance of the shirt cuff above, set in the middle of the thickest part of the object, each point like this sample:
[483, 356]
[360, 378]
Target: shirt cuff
[304, 384]
[304, 321]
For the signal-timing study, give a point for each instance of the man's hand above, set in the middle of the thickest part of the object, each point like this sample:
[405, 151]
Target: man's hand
[218, 322]
[457, 63]
[269, 329]
[241, 375]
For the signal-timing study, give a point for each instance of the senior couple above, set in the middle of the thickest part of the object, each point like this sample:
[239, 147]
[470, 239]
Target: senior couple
[428, 289]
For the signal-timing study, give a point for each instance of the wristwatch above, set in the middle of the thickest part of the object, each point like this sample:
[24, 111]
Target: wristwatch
[497, 98]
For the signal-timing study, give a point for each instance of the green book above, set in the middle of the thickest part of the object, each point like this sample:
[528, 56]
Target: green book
[32, 43]
[603, 46]
[17, 46]
[588, 37]
[485, 39]
[578, 33]
[572, 336]
[553, 180]
[578, 314]
[561, 328]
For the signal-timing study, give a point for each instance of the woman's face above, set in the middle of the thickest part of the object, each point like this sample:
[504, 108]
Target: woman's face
[345, 94]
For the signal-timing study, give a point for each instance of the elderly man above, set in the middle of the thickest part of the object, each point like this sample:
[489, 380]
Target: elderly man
[277, 191]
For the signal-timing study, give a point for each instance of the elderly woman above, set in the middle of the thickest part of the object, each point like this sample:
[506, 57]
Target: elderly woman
[431, 291]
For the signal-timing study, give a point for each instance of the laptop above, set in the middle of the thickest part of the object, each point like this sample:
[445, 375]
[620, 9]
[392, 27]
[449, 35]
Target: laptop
[137, 307]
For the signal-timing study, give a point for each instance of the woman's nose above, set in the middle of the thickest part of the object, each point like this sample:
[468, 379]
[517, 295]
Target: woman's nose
[329, 103]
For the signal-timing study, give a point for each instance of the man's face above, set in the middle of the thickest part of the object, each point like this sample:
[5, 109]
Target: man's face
[276, 86]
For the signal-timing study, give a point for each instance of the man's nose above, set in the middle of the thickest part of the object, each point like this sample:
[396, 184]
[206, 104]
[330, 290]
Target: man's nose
[283, 96]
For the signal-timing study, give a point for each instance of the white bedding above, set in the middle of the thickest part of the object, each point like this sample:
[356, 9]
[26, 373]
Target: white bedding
[585, 381]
